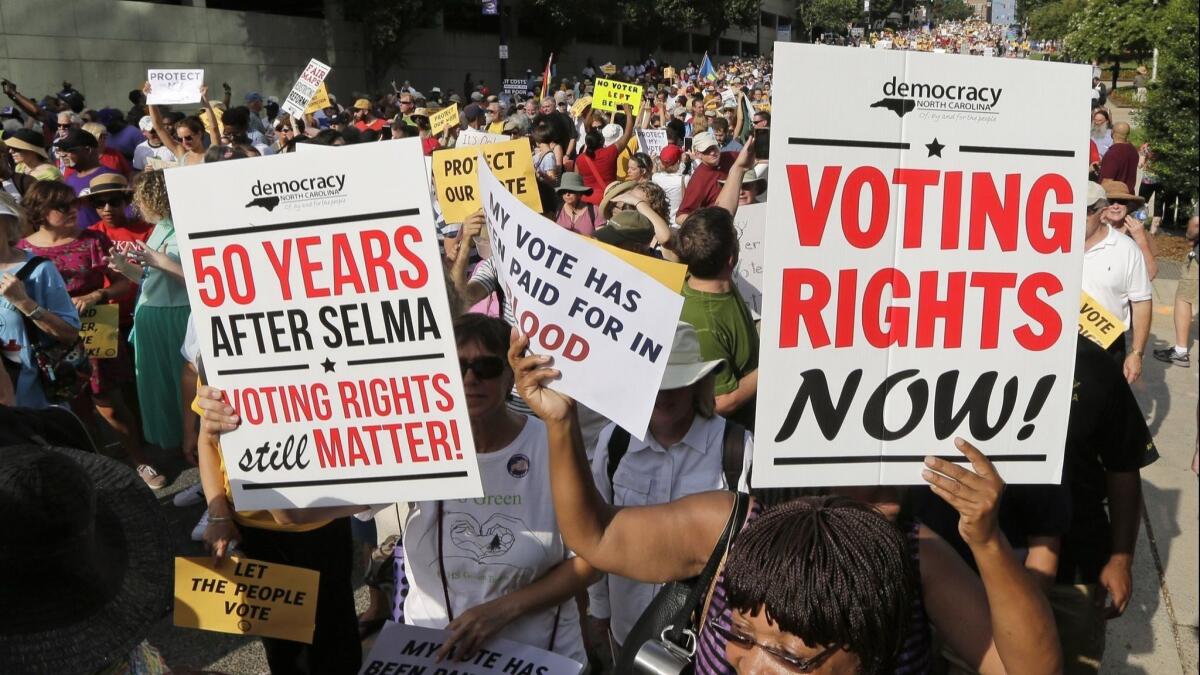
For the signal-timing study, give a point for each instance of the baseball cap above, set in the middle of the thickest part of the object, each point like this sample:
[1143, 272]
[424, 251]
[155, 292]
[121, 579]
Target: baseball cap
[670, 154]
[474, 113]
[703, 141]
[253, 96]
[362, 104]
[627, 227]
[146, 124]
[611, 133]
[78, 138]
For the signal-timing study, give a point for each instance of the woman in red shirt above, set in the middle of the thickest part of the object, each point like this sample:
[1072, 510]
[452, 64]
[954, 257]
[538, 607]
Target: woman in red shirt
[597, 164]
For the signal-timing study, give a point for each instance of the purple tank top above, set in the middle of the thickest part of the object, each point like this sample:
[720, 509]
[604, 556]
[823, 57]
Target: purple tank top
[915, 656]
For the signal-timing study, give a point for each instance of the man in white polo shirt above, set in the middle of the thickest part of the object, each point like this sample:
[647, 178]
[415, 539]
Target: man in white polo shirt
[1114, 274]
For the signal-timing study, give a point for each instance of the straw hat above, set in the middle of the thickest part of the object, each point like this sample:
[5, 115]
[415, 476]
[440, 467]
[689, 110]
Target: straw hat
[627, 227]
[29, 141]
[686, 365]
[612, 191]
[1117, 191]
[86, 560]
[104, 184]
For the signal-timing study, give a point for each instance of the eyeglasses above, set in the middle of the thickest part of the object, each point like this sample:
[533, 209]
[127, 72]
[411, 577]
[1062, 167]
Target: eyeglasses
[100, 203]
[484, 367]
[796, 663]
[187, 139]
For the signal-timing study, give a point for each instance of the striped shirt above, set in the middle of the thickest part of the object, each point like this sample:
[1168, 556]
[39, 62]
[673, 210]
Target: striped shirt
[915, 656]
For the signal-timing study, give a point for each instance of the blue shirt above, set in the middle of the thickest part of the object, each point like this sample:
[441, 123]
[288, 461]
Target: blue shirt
[45, 286]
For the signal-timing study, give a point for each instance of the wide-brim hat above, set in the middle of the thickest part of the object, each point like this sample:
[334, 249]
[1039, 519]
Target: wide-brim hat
[614, 190]
[686, 365]
[362, 104]
[1117, 191]
[573, 182]
[106, 183]
[627, 227]
[77, 604]
[29, 141]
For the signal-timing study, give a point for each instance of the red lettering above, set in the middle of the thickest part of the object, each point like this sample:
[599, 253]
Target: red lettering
[310, 267]
[795, 306]
[993, 285]
[329, 448]
[345, 271]
[419, 273]
[1040, 311]
[881, 204]
[896, 318]
[1059, 237]
[846, 307]
[376, 261]
[915, 182]
[1003, 215]
[811, 215]
[950, 310]
[281, 265]
[951, 209]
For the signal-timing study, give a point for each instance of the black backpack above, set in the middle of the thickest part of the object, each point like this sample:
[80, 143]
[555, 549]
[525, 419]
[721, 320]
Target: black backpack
[733, 452]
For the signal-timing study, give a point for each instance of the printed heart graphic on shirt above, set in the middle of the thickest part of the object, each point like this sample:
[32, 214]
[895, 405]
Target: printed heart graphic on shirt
[492, 539]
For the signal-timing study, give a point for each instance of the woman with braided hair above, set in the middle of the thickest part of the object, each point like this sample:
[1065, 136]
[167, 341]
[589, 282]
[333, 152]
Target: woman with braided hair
[814, 585]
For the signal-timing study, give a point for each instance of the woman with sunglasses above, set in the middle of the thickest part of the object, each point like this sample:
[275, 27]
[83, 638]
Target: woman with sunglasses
[287, 130]
[81, 256]
[186, 139]
[493, 567]
[824, 586]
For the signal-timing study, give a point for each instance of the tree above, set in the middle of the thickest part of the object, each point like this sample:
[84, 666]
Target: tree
[829, 14]
[717, 15]
[1052, 21]
[1169, 117]
[950, 10]
[387, 23]
[1108, 31]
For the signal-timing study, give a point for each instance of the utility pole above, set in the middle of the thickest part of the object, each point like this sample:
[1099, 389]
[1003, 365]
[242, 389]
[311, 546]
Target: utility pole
[500, 15]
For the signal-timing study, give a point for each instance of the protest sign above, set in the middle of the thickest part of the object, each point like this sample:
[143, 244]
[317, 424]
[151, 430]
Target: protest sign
[169, 86]
[922, 269]
[456, 176]
[668, 73]
[402, 648]
[446, 117]
[469, 136]
[305, 89]
[98, 331]
[1097, 323]
[579, 106]
[608, 68]
[608, 325]
[519, 87]
[319, 101]
[652, 141]
[611, 95]
[750, 222]
[669, 274]
[317, 293]
[246, 597]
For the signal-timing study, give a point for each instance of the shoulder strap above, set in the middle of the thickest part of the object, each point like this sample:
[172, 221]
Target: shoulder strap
[591, 215]
[733, 452]
[28, 268]
[681, 630]
[618, 444]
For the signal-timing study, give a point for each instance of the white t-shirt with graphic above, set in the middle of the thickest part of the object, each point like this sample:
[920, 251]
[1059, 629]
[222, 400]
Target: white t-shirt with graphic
[494, 545]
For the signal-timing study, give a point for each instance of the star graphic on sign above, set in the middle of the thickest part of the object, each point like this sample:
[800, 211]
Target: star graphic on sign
[935, 148]
[327, 365]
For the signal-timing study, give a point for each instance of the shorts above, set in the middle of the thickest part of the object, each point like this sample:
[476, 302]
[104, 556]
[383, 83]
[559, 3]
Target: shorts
[1186, 290]
[1081, 627]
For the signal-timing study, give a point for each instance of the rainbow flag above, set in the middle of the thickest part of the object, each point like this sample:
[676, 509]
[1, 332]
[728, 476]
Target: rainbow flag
[547, 76]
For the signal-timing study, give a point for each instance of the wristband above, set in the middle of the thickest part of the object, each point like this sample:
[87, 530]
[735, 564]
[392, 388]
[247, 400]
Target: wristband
[219, 519]
[37, 313]
[1140, 353]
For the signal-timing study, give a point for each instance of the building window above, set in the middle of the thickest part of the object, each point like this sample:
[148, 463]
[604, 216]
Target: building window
[727, 47]
[766, 19]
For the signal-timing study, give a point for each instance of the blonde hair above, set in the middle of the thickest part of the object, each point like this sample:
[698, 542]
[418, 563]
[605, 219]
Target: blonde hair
[150, 196]
[12, 228]
[95, 129]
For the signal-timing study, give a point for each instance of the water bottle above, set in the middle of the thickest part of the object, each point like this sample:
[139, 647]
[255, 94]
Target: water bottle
[1140, 214]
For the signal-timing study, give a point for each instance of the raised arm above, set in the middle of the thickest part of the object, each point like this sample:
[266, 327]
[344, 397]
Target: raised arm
[740, 123]
[214, 133]
[728, 197]
[23, 102]
[646, 543]
[160, 126]
[623, 141]
[999, 622]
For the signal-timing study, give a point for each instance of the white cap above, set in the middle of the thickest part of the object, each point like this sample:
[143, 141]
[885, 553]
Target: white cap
[611, 133]
[685, 364]
[146, 124]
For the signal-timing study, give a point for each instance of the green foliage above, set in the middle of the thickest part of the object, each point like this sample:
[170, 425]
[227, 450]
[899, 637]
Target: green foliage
[1108, 30]
[1052, 21]
[717, 15]
[387, 23]
[829, 15]
[1169, 118]
[950, 10]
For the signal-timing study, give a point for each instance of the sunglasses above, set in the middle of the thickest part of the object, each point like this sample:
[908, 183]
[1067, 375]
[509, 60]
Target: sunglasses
[61, 207]
[284, 130]
[187, 138]
[798, 664]
[101, 202]
[484, 367]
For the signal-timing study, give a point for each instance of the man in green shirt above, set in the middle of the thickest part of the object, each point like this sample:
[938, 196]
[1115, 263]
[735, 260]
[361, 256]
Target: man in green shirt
[708, 243]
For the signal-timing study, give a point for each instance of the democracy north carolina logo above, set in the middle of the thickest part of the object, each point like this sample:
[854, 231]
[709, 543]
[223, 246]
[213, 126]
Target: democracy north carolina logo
[297, 193]
[905, 97]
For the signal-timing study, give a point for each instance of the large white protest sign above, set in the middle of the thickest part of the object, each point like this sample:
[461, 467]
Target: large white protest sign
[922, 268]
[608, 325]
[305, 89]
[652, 141]
[170, 86]
[750, 222]
[318, 297]
[401, 648]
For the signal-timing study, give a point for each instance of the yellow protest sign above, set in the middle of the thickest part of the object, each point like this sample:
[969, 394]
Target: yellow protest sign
[608, 68]
[665, 272]
[1097, 323]
[610, 94]
[446, 117]
[455, 175]
[580, 105]
[319, 101]
[99, 332]
[668, 73]
[246, 597]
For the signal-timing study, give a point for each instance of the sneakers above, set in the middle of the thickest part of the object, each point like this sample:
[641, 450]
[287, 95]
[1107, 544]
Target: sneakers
[201, 526]
[189, 496]
[151, 476]
[1172, 355]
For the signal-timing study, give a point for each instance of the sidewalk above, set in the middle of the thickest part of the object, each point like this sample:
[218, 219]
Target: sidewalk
[1158, 634]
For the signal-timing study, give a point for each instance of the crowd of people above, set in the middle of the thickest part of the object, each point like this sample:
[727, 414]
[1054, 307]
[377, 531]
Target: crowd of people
[836, 580]
[971, 36]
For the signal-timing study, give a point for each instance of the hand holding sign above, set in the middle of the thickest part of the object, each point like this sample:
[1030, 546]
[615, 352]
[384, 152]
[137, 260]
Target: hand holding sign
[172, 87]
[975, 493]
